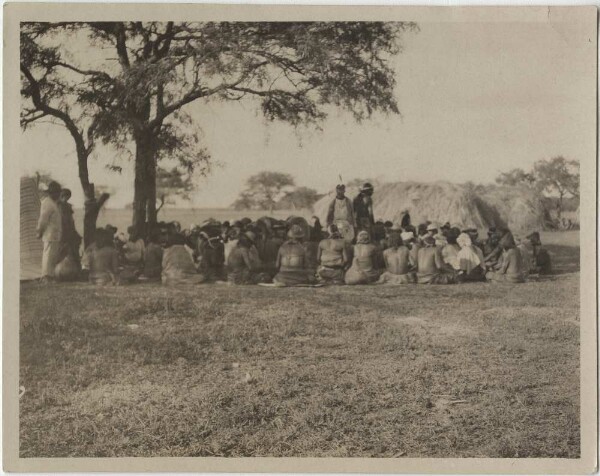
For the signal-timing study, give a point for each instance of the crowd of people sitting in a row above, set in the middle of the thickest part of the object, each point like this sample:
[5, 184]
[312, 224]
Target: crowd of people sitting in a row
[293, 253]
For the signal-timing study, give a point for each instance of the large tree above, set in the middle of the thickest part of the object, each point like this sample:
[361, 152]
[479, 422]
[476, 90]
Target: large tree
[52, 90]
[294, 71]
[558, 175]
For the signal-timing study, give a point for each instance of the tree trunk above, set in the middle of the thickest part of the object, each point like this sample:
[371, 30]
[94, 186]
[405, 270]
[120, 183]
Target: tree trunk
[151, 191]
[92, 208]
[91, 205]
[560, 204]
[144, 186]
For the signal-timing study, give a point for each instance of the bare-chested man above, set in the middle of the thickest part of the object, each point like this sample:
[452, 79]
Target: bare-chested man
[332, 256]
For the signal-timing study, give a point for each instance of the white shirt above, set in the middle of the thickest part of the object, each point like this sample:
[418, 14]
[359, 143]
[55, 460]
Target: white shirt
[49, 224]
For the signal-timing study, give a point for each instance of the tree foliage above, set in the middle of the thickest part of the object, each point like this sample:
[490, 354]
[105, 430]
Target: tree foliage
[299, 198]
[171, 184]
[263, 190]
[558, 175]
[551, 176]
[514, 177]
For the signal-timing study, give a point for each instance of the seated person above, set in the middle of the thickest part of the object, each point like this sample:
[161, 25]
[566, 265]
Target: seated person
[450, 250]
[232, 236]
[542, 262]
[397, 262]
[132, 253]
[240, 267]
[491, 242]
[492, 247]
[510, 266]
[409, 240]
[225, 227]
[153, 255]
[332, 256]
[271, 248]
[470, 260]
[526, 251]
[430, 265]
[203, 254]
[292, 261]
[363, 269]
[256, 241]
[103, 259]
[133, 249]
[177, 264]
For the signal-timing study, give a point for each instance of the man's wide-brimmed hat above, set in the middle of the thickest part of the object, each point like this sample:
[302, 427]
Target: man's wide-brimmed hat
[53, 187]
[432, 227]
[296, 231]
[366, 187]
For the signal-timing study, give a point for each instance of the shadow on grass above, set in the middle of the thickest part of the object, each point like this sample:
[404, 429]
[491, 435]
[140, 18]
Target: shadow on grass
[565, 259]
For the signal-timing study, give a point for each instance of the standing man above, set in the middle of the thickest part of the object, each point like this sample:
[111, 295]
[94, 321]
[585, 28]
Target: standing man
[70, 239]
[49, 229]
[363, 209]
[341, 214]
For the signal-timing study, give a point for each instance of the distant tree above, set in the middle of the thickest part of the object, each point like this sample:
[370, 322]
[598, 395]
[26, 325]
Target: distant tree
[171, 184]
[558, 175]
[243, 202]
[264, 189]
[299, 198]
[515, 177]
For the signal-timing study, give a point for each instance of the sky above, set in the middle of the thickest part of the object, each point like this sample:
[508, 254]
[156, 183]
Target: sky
[475, 99]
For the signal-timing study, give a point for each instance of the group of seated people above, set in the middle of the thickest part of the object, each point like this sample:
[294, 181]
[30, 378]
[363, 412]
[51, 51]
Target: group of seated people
[293, 253]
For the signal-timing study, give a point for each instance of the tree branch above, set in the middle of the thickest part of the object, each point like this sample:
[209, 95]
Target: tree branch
[199, 93]
[122, 45]
[30, 118]
[42, 106]
[85, 72]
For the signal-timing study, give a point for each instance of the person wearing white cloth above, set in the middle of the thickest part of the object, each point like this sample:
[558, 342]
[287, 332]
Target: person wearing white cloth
[49, 230]
[470, 260]
[341, 214]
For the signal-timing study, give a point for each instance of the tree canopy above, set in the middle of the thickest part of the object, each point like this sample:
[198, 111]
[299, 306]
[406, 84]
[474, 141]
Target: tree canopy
[558, 175]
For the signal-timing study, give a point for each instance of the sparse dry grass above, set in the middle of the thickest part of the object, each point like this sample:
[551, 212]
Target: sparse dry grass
[472, 370]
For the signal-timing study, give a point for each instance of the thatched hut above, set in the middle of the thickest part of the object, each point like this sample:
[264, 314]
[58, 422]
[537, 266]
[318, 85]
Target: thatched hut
[465, 205]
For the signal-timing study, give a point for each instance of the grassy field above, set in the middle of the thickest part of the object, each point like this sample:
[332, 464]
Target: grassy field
[473, 370]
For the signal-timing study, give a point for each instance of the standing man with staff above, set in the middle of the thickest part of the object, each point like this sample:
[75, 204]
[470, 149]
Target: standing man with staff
[363, 209]
[341, 214]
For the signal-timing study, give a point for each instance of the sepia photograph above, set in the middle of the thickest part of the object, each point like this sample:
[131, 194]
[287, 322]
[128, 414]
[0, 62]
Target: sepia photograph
[302, 235]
